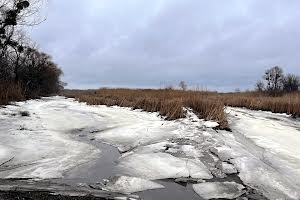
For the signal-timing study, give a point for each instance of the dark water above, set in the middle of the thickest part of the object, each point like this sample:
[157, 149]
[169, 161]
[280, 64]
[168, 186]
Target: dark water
[104, 167]
[96, 170]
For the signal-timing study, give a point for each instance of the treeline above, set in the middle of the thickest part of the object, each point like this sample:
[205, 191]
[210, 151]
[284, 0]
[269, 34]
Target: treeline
[275, 82]
[25, 72]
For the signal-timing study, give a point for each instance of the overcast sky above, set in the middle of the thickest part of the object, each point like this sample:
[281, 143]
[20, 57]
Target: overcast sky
[216, 44]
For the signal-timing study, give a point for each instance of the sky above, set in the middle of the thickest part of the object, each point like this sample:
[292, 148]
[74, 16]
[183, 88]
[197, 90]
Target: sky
[213, 44]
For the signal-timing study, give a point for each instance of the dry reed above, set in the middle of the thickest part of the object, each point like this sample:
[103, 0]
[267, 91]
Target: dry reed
[168, 103]
[10, 92]
[207, 105]
[288, 103]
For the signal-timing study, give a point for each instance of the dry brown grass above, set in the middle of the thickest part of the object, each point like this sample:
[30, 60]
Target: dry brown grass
[207, 105]
[168, 103]
[10, 92]
[288, 103]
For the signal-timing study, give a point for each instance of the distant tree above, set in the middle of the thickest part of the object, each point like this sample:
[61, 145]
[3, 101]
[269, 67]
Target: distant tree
[274, 79]
[291, 83]
[259, 86]
[237, 90]
[182, 85]
[169, 87]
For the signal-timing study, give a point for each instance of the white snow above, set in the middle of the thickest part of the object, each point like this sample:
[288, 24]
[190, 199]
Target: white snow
[39, 146]
[218, 190]
[128, 185]
[210, 124]
[191, 151]
[273, 132]
[162, 166]
[265, 149]
[46, 146]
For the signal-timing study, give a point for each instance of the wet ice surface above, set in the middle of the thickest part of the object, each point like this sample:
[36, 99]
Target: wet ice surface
[128, 185]
[91, 147]
[216, 190]
[273, 150]
[162, 166]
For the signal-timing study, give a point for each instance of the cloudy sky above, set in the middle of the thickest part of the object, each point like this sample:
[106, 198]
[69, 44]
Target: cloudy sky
[215, 44]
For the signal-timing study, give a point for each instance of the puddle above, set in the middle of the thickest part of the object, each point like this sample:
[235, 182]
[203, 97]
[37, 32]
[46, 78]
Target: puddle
[96, 170]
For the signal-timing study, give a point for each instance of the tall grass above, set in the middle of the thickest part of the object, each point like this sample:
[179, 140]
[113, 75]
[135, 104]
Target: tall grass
[168, 103]
[10, 92]
[207, 105]
[287, 103]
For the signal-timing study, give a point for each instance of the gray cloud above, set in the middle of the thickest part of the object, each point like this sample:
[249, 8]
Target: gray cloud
[137, 43]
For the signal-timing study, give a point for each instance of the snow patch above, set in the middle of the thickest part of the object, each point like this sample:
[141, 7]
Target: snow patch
[210, 124]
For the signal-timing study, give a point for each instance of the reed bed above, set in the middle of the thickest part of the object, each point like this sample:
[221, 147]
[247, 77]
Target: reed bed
[168, 103]
[207, 105]
[287, 103]
[10, 92]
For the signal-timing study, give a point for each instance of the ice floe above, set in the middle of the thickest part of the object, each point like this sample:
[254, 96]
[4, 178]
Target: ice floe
[38, 146]
[265, 149]
[228, 168]
[128, 185]
[218, 190]
[162, 166]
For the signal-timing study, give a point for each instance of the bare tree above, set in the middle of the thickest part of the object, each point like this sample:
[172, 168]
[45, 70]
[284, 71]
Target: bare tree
[11, 12]
[274, 78]
[20, 62]
[291, 83]
[182, 85]
[237, 90]
[259, 86]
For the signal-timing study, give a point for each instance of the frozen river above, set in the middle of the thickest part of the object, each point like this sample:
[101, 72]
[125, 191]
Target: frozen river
[123, 153]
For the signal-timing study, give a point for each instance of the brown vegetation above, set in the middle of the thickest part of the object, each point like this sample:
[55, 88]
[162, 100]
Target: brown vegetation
[207, 105]
[288, 103]
[168, 103]
[10, 92]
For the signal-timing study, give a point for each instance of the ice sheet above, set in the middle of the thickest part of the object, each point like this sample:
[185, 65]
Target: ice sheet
[128, 185]
[218, 190]
[266, 151]
[40, 146]
[162, 166]
[263, 147]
